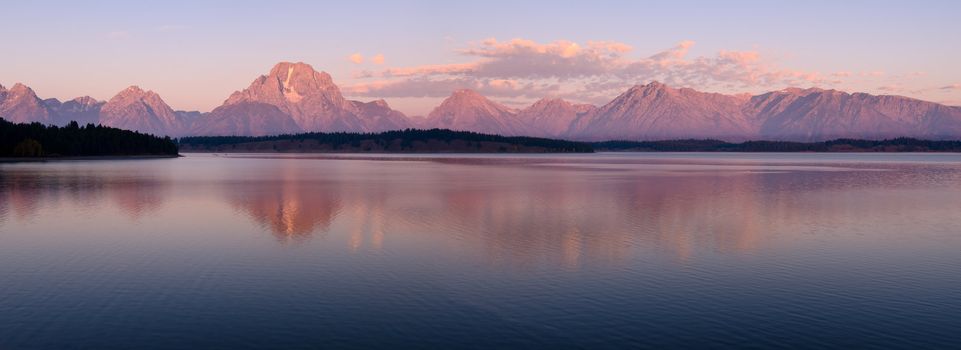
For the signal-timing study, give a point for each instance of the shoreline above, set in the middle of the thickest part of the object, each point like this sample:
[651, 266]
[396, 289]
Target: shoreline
[195, 151]
[82, 158]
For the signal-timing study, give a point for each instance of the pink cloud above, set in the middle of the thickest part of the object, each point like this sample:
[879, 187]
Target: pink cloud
[427, 70]
[377, 59]
[746, 69]
[675, 53]
[562, 59]
[442, 87]
[951, 87]
[357, 58]
[520, 58]
[576, 66]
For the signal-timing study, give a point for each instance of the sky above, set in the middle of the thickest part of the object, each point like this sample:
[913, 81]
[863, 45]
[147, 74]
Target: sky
[415, 53]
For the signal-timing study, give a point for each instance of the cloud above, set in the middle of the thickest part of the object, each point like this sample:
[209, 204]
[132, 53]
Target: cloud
[521, 58]
[357, 58]
[378, 59]
[951, 87]
[428, 70]
[562, 59]
[675, 53]
[431, 87]
[364, 74]
[891, 88]
[580, 66]
[118, 35]
[730, 69]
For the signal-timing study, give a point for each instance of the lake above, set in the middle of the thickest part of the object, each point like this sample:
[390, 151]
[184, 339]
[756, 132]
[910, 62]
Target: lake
[609, 250]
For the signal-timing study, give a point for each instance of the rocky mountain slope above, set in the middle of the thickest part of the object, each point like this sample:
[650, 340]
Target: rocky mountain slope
[295, 98]
[466, 110]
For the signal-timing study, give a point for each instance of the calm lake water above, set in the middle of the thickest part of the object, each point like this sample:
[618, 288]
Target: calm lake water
[589, 251]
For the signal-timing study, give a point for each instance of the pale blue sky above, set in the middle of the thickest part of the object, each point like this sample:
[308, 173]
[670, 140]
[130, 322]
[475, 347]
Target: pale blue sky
[195, 53]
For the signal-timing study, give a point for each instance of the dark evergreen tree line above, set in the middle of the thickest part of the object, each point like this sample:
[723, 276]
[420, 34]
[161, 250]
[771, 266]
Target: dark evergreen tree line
[840, 145]
[38, 140]
[407, 137]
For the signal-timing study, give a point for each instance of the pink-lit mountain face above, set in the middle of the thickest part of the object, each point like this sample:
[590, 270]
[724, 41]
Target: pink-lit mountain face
[20, 104]
[658, 112]
[246, 118]
[554, 117]
[83, 110]
[307, 96]
[467, 110]
[816, 114]
[294, 98]
[144, 111]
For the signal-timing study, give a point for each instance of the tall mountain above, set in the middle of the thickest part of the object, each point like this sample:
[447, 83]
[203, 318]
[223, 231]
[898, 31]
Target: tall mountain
[552, 117]
[376, 116]
[816, 114]
[139, 110]
[189, 117]
[294, 98]
[656, 111]
[466, 110]
[309, 97]
[83, 110]
[247, 119]
[20, 104]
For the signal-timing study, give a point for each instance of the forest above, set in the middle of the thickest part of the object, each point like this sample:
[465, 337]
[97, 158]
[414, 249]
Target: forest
[442, 140]
[38, 140]
[401, 141]
[74, 140]
[839, 145]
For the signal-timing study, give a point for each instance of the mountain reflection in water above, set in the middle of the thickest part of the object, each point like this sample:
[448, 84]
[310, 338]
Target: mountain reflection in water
[517, 211]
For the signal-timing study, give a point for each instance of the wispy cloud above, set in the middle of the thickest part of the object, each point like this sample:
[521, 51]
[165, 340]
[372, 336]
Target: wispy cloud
[595, 71]
[377, 59]
[891, 88]
[537, 68]
[440, 87]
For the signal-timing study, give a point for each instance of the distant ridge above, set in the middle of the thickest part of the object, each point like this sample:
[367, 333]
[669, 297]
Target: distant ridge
[294, 98]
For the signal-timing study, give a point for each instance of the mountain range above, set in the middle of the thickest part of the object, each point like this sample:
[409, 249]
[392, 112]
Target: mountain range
[295, 98]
